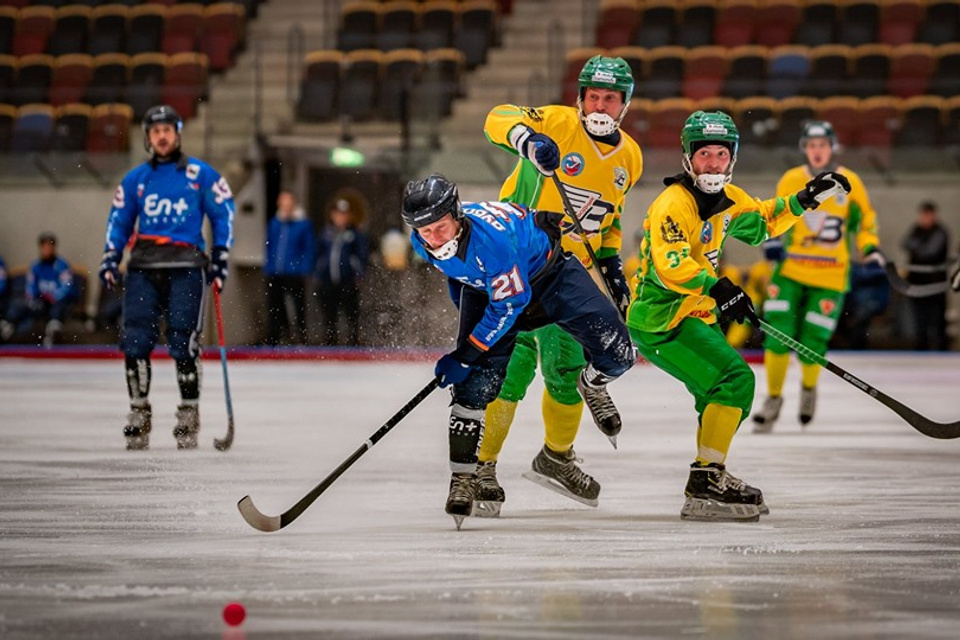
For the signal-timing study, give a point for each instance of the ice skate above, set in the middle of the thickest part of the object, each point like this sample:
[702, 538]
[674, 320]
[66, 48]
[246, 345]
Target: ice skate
[715, 495]
[188, 424]
[592, 386]
[137, 429]
[52, 333]
[808, 404]
[490, 495]
[559, 472]
[768, 414]
[463, 488]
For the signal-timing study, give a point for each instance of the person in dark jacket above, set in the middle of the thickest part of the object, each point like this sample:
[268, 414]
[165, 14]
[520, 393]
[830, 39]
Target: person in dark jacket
[926, 246]
[291, 253]
[343, 251]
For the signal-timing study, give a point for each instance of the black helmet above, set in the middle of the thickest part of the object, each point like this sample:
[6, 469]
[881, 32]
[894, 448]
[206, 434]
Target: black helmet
[426, 201]
[160, 114]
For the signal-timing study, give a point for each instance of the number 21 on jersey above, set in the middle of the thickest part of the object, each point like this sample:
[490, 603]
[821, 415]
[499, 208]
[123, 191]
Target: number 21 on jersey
[507, 285]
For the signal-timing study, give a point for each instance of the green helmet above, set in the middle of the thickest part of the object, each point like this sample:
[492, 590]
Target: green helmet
[709, 128]
[607, 73]
[818, 129]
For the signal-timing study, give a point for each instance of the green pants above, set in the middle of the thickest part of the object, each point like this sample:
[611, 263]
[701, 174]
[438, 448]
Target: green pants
[698, 355]
[561, 359]
[807, 314]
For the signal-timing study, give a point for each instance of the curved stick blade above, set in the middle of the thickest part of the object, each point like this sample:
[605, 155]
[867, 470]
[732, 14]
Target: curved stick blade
[256, 519]
[224, 445]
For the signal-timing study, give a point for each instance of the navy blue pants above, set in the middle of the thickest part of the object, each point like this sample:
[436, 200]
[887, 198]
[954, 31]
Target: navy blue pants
[566, 296]
[174, 295]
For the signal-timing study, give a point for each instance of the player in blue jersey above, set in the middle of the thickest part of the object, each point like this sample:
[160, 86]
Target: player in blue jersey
[166, 199]
[506, 273]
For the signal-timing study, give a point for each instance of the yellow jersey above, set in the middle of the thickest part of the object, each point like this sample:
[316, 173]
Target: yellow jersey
[596, 176]
[682, 244]
[818, 247]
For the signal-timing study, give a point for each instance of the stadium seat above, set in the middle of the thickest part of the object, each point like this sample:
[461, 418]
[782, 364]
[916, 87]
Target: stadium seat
[181, 32]
[879, 118]
[320, 87]
[898, 21]
[941, 23]
[696, 21]
[617, 23]
[817, 24]
[8, 116]
[756, 119]
[109, 129]
[704, 72]
[223, 34]
[71, 24]
[576, 58]
[776, 22]
[735, 23]
[910, 69]
[34, 25]
[108, 31]
[476, 31]
[360, 80]
[658, 24]
[748, 72]
[145, 31]
[8, 78]
[787, 70]
[8, 26]
[637, 121]
[147, 73]
[185, 82]
[359, 22]
[792, 114]
[951, 121]
[829, 68]
[869, 70]
[666, 121]
[71, 74]
[34, 74]
[401, 73]
[398, 22]
[32, 129]
[716, 103]
[859, 22]
[664, 75]
[109, 80]
[437, 21]
[636, 57]
[841, 112]
[70, 129]
[921, 123]
[945, 80]
[442, 77]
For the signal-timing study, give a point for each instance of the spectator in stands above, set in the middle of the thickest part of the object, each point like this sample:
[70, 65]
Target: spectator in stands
[343, 251]
[49, 293]
[291, 254]
[926, 246]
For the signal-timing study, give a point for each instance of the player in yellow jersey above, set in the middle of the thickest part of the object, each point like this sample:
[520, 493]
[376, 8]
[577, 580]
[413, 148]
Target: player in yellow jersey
[598, 164]
[673, 317]
[805, 295]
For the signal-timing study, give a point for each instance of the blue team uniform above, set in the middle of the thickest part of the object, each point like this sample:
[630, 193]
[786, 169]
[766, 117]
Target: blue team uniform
[508, 276]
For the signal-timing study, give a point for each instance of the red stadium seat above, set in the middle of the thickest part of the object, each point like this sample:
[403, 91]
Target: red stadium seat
[842, 113]
[704, 72]
[185, 82]
[223, 34]
[617, 23]
[666, 121]
[898, 21]
[910, 69]
[109, 129]
[776, 22]
[71, 74]
[34, 25]
[879, 119]
[181, 32]
[735, 25]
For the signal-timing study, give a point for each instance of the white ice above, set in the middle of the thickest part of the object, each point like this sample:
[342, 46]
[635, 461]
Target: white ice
[863, 538]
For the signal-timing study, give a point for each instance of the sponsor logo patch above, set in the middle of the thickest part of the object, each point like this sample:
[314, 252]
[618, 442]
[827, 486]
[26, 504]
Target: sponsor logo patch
[620, 178]
[706, 234]
[714, 129]
[572, 164]
[193, 170]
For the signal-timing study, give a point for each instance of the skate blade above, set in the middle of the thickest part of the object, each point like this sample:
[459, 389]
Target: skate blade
[137, 443]
[458, 520]
[549, 483]
[613, 441]
[763, 427]
[705, 510]
[764, 509]
[486, 508]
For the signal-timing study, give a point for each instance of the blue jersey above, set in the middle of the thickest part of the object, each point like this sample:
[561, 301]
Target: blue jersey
[51, 281]
[168, 202]
[501, 248]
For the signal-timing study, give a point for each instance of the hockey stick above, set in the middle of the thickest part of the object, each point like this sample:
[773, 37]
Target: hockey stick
[905, 288]
[266, 523]
[223, 445]
[938, 430]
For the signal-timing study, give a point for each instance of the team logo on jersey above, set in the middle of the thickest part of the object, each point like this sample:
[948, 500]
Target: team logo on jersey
[118, 198]
[572, 164]
[706, 234]
[533, 114]
[193, 171]
[620, 178]
[773, 291]
[140, 190]
[827, 306]
[671, 231]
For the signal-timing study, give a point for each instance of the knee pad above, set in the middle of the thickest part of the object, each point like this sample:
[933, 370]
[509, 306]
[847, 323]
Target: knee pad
[481, 387]
[183, 344]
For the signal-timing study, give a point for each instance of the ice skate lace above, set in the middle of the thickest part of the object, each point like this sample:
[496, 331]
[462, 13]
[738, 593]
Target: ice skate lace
[570, 472]
[600, 402]
[462, 487]
[487, 476]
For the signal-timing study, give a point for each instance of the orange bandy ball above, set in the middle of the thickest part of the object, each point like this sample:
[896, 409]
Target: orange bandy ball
[234, 613]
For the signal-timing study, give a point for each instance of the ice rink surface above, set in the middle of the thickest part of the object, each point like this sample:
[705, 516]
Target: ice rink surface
[863, 538]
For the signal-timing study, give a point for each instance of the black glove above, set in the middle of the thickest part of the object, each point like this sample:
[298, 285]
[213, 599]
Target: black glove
[773, 250]
[110, 269]
[955, 279]
[826, 185]
[612, 270]
[733, 302]
[538, 148]
[217, 274]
